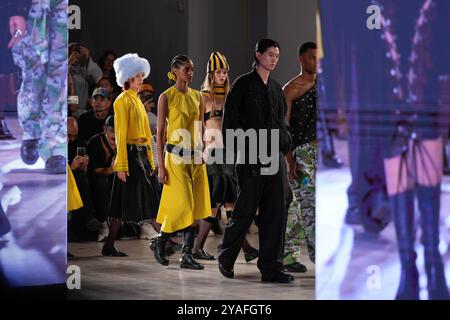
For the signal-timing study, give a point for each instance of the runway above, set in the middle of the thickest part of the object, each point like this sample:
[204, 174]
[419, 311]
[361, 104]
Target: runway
[140, 276]
[34, 252]
[351, 264]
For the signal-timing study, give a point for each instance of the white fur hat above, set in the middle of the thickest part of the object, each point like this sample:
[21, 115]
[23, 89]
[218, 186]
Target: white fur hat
[129, 65]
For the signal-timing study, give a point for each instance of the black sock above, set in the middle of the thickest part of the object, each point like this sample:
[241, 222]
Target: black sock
[210, 219]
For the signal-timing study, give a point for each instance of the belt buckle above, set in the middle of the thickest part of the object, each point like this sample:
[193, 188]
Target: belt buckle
[139, 148]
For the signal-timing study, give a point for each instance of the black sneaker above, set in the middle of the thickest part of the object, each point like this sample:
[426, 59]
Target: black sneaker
[29, 151]
[226, 272]
[56, 165]
[187, 262]
[279, 278]
[112, 252]
[296, 267]
[202, 255]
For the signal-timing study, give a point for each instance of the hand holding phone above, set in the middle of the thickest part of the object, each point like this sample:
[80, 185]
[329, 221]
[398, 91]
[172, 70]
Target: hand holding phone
[81, 151]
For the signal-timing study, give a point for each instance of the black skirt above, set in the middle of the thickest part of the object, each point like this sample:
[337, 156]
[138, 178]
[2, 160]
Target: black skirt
[138, 198]
[223, 184]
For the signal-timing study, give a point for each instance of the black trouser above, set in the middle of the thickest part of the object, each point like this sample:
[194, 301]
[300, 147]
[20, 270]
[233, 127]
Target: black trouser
[101, 187]
[81, 216]
[267, 194]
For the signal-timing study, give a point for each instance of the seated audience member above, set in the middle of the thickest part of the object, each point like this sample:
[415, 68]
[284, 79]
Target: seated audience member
[92, 122]
[106, 62]
[101, 148]
[106, 83]
[83, 220]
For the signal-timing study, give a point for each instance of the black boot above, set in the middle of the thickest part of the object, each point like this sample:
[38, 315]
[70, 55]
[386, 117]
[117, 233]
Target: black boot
[187, 260]
[56, 165]
[160, 249]
[402, 206]
[429, 205]
[5, 134]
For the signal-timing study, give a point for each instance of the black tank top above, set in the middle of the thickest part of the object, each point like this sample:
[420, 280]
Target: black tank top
[303, 118]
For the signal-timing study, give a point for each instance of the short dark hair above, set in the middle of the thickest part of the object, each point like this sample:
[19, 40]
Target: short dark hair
[109, 123]
[262, 46]
[305, 46]
[177, 61]
[105, 54]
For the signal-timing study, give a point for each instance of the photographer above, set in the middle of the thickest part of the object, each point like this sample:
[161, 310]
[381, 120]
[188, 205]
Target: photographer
[83, 221]
[85, 73]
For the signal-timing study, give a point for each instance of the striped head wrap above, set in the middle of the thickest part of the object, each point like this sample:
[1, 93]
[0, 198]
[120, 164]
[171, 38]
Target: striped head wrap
[217, 61]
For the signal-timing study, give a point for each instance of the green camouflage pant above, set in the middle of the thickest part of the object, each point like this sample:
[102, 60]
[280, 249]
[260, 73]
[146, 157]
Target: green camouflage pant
[301, 213]
[42, 56]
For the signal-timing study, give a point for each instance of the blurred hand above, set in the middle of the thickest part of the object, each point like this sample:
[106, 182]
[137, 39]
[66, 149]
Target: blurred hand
[162, 175]
[122, 175]
[16, 23]
[76, 163]
[84, 52]
[74, 58]
[292, 165]
[109, 171]
[85, 164]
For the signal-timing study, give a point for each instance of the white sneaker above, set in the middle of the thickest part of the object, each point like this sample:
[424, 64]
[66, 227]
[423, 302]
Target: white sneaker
[103, 232]
[147, 231]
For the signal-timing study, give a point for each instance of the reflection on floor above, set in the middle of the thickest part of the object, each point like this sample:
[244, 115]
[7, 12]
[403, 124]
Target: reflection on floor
[351, 264]
[140, 276]
[34, 252]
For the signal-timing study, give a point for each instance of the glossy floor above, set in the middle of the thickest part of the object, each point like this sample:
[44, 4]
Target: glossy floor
[140, 276]
[34, 252]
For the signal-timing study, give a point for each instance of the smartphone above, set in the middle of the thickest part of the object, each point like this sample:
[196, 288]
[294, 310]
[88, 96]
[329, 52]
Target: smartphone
[76, 47]
[73, 100]
[81, 151]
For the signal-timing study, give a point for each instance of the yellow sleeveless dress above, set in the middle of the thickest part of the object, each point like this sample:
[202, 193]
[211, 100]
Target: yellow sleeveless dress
[74, 201]
[185, 197]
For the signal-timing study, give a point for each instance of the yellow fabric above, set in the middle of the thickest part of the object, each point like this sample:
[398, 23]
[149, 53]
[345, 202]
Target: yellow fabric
[130, 124]
[74, 201]
[185, 198]
[219, 91]
[183, 113]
